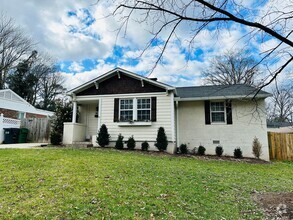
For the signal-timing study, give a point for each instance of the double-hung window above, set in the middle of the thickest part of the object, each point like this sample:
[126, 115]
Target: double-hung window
[126, 109]
[218, 111]
[135, 109]
[143, 109]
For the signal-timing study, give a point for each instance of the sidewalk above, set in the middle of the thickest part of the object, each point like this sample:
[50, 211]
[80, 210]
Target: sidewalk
[21, 146]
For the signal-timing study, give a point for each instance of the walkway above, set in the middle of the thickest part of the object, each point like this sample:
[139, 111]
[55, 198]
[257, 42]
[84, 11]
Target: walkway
[22, 146]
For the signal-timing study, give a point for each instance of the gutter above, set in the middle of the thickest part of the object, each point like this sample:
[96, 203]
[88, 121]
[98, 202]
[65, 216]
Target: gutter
[221, 97]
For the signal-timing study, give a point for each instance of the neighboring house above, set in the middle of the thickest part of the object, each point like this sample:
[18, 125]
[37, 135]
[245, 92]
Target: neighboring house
[131, 104]
[13, 106]
[280, 127]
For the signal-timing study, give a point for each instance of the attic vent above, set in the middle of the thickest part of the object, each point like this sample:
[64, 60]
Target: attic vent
[154, 79]
[216, 142]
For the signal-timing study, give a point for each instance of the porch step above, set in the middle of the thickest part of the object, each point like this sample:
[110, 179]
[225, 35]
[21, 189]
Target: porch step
[83, 143]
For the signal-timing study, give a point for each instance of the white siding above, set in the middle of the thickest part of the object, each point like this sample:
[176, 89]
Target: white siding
[249, 121]
[140, 133]
[87, 117]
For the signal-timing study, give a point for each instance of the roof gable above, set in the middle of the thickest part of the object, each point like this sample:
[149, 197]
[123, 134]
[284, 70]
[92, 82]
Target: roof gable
[10, 100]
[10, 95]
[119, 77]
[122, 84]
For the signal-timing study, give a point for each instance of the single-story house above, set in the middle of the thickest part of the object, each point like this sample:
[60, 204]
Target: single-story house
[13, 106]
[131, 104]
[280, 127]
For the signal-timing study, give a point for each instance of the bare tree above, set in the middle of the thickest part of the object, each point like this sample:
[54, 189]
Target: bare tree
[37, 81]
[281, 106]
[233, 67]
[50, 89]
[13, 46]
[165, 19]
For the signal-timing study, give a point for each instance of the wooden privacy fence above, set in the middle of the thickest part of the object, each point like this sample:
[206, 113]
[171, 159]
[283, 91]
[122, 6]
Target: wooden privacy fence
[39, 129]
[280, 146]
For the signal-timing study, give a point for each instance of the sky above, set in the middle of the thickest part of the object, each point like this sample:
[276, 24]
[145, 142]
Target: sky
[83, 40]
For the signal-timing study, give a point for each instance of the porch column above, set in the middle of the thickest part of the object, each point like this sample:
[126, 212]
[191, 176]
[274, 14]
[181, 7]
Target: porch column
[74, 112]
[177, 124]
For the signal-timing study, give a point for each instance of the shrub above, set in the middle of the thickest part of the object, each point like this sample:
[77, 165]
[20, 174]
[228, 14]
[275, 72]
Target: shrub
[201, 150]
[55, 138]
[219, 151]
[194, 151]
[183, 149]
[131, 143]
[162, 141]
[238, 153]
[63, 113]
[103, 136]
[145, 146]
[119, 142]
[256, 148]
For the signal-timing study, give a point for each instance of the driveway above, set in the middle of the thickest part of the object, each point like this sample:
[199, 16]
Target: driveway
[22, 146]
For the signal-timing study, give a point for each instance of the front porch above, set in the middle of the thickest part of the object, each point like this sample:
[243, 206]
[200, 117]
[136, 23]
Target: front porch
[85, 122]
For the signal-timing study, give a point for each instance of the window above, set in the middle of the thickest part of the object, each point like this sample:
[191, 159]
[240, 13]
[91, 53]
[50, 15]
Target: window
[135, 109]
[217, 112]
[126, 109]
[21, 115]
[143, 109]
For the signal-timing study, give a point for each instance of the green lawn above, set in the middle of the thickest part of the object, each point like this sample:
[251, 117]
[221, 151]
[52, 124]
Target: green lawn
[91, 184]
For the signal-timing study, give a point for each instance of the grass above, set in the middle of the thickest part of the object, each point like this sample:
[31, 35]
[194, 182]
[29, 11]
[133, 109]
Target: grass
[92, 184]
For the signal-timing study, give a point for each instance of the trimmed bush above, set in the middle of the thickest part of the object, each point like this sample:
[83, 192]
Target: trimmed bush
[119, 142]
[256, 148]
[145, 146]
[183, 149]
[238, 153]
[162, 141]
[55, 138]
[130, 143]
[201, 150]
[219, 151]
[103, 136]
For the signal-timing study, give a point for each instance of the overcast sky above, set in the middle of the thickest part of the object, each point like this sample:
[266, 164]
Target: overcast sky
[84, 42]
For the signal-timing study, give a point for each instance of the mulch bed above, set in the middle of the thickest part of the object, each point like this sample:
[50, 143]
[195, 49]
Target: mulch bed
[210, 157]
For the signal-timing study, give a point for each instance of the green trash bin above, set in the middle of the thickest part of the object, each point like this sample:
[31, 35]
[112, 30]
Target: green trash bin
[22, 138]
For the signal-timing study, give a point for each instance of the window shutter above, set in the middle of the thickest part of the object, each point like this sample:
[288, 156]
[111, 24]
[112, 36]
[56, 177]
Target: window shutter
[229, 112]
[154, 109]
[116, 110]
[207, 111]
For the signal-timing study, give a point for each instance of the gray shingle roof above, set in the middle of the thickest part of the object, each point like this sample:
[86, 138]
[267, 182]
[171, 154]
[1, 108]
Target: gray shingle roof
[219, 91]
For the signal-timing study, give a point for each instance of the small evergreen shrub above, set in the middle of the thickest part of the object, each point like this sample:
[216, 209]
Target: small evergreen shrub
[119, 142]
[145, 146]
[183, 149]
[103, 136]
[219, 151]
[55, 138]
[256, 148]
[162, 141]
[238, 153]
[131, 143]
[201, 150]
[194, 151]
